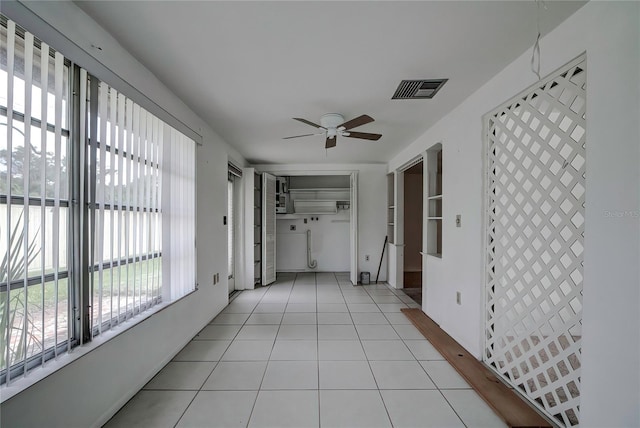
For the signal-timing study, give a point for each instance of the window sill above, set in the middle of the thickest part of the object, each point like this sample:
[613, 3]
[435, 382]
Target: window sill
[36, 375]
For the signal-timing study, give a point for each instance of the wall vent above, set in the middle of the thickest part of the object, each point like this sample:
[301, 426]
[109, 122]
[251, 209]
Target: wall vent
[418, 89]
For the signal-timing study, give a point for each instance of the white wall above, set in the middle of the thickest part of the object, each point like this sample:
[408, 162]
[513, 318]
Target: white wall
[329, 243]
[91, 389]
[372, 207]
[609, 34]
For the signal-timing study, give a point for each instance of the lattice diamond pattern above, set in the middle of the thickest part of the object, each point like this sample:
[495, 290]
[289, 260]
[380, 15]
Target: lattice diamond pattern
[535, 240]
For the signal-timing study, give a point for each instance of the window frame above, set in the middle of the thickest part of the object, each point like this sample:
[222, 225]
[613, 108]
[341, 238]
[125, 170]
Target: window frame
[81, 143]
[93, 209]
[20, 368]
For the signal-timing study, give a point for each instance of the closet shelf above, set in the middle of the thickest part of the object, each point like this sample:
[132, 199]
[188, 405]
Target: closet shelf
[314, 206]
[321, 189]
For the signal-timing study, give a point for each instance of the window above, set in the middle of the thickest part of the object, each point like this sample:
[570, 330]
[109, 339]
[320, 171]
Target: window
[34, 203]
[69, 271]
[123, 155]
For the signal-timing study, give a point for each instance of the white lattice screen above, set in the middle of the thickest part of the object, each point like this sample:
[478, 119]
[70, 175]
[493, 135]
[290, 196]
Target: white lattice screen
[534, 241]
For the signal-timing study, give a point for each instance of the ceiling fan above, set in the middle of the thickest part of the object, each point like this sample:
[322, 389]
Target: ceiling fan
[333, 124]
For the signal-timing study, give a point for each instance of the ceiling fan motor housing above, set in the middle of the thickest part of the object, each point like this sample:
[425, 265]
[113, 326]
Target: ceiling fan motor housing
[331, 120]
[333, 125]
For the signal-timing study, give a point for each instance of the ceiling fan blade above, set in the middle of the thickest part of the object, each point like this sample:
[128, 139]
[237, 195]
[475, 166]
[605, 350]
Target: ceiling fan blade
[358, 121]
[363, 135]
[315, 125]
[303, 135]
[331, 142]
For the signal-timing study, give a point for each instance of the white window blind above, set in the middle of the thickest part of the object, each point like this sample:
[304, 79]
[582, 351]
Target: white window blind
[142, 210]
[68, 271]
[178, 205]
[124, 211]
[35, 298]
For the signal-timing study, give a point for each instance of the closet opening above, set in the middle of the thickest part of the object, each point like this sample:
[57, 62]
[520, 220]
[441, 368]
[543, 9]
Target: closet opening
[412, 277]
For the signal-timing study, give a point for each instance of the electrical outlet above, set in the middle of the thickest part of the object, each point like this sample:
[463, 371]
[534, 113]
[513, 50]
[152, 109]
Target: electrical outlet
[292, 227]
[459, 220]
[458, 298]
[366, 258]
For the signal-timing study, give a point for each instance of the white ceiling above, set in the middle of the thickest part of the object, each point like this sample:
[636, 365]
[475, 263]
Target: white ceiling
[247, 68]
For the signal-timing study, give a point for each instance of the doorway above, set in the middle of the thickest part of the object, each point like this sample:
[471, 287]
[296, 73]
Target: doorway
[413, 224]
[232, 211]
[325, 204]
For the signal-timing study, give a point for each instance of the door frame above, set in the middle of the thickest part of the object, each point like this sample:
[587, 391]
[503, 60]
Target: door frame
[399, 244]
[422, 246]
[353, 216]
[353, 228]
[235, 278]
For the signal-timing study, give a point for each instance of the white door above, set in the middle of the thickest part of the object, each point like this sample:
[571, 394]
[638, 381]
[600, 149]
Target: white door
[268, 229]
[353, 224]
[231, 246]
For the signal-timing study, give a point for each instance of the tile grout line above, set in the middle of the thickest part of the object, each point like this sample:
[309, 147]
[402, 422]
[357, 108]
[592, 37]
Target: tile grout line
[214, 366]
[427, 373]
[369, 364]
[188, 405]
[451, 406]
[412, 354]
[272, 346]
[268, 358]
[205, 380]
[318, 352]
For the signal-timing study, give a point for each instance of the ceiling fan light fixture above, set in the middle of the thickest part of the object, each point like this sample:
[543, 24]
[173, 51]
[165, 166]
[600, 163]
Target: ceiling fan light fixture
[331, 120]
[333, 125]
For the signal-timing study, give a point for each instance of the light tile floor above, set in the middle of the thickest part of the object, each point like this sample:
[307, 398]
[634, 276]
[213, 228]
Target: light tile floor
[310, 350]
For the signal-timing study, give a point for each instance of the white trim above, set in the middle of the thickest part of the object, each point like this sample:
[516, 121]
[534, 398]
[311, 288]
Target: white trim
[413, 162]
[353, 228]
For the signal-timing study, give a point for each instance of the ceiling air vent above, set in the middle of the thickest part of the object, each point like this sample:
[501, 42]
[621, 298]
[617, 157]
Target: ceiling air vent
[416, 89]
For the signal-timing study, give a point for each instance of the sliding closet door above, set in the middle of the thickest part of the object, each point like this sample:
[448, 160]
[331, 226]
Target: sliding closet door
[268, 229]
[354, 228]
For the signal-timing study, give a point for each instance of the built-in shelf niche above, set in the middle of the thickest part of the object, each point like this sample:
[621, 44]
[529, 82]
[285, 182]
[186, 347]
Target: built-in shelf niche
[391, 208]
[434, 200]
